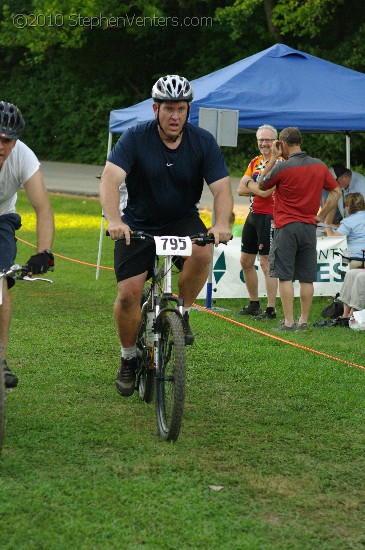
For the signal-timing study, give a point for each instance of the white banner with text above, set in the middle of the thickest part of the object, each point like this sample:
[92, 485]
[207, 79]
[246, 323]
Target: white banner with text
[228, 282]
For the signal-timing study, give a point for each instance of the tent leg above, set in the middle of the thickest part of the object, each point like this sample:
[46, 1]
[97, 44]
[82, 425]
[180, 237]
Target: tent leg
[110, 139]
[348, 161]
[100, 246]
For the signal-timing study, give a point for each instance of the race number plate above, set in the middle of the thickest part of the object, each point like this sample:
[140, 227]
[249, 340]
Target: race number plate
[173, 246]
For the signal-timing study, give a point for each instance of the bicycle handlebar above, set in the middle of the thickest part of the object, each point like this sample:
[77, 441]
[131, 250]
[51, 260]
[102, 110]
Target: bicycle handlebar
[200, 239]
[21, 272]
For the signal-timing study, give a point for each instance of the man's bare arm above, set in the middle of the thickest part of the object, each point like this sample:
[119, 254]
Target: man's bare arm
[223, 207]
[111, 179]
[38, 197]
[330, 204]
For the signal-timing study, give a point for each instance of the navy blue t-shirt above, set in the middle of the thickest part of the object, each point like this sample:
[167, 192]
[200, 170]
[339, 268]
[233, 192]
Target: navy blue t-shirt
[165, 184]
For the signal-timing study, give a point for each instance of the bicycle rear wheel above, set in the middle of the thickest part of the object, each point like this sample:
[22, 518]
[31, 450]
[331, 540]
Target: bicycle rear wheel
[170, 378]
[2, 403]
[146, 371]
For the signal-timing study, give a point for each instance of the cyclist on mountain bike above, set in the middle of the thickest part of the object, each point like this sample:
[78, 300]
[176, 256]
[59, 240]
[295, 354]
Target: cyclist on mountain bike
[19, 167]
[164, 163]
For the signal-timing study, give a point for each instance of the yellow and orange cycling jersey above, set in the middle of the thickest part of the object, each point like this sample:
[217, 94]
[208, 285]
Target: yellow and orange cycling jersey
[260, 205]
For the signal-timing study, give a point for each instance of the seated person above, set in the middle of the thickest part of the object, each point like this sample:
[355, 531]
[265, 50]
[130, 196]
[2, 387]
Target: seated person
[350, 182]
[353, 227]
[352, 293]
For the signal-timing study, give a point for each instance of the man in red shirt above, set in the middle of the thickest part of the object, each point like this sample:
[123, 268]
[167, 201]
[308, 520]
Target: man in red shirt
[299, 183]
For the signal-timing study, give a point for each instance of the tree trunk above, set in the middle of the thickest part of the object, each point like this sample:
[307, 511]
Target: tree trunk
[268, 6]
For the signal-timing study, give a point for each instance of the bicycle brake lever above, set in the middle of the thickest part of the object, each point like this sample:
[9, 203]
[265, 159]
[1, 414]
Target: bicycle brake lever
[32, 279]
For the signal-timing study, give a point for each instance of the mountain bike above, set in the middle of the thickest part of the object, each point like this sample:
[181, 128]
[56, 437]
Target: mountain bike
[161, 338]
[17, 272]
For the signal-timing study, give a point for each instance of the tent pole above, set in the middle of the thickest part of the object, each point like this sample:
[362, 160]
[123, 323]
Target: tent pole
[100, 246]
[348, 161]
[110, 138]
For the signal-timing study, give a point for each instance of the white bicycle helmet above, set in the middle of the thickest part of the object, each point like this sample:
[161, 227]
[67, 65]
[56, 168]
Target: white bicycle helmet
[172, 88]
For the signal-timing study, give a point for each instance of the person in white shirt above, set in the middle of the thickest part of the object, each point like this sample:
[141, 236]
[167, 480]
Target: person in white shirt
[349, 182]
[19, 168]
[353, 227]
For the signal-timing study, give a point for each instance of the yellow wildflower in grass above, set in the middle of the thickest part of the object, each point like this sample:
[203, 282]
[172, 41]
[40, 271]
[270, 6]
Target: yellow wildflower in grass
[206, 216]
[64, 221]
[83, 221]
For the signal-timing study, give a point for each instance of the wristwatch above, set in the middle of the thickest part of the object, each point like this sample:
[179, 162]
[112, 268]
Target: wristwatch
[248, 181]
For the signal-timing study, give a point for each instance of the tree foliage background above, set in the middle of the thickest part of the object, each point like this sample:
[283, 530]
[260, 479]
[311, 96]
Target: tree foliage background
[67, 64]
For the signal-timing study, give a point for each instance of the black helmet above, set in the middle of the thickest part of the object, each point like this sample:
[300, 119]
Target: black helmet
[172, 88]
[11, 120]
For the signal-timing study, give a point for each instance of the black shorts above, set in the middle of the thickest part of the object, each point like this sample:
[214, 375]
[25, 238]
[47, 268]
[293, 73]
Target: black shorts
[9, 223]
[257, 234]
[293, 255]
[138, 257]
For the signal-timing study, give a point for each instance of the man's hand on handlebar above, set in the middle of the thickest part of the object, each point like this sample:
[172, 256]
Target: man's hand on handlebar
[119, 230]
[222, 234]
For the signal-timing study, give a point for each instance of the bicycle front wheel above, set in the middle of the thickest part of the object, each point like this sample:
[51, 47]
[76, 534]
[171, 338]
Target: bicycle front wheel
[2, 403]
[170, 378]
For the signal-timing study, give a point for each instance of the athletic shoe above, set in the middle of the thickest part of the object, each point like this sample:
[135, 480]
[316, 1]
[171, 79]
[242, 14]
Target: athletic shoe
[126, 377]
[265, 315]
[11, 380]
[251, 309]
[339, 322]
[284, 327]
[189, 336]
[327, 323]
[343, 322]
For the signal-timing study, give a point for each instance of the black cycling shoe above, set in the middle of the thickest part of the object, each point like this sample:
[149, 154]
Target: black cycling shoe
[251, 309]
[126, 377]
[11, 381]
[265, 315]
[189, 336]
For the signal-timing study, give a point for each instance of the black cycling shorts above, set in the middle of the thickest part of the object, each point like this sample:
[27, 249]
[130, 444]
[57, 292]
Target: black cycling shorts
[257, 234]
[138, 257]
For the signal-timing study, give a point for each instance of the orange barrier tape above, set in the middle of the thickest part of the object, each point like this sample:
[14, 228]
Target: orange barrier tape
[280, 339]
[294, 344]
[69, 259]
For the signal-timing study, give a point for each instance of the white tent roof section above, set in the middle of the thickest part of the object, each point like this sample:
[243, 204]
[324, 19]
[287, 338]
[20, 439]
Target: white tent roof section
[279, 86]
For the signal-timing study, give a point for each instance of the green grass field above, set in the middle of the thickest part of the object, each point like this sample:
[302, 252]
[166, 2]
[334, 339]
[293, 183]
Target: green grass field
[271, 452]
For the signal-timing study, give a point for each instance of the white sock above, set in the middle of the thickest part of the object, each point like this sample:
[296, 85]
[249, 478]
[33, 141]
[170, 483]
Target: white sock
[129, 353]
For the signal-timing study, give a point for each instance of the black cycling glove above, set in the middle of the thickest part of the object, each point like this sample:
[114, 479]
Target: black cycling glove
[41, 262]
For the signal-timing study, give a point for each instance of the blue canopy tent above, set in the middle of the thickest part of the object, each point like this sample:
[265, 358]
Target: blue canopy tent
[279, 86]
